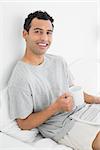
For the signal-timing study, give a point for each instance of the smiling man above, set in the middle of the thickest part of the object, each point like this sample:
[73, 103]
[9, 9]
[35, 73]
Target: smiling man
[38, 90]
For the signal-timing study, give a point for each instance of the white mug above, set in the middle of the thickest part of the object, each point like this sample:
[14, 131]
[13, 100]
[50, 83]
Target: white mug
[78, 95]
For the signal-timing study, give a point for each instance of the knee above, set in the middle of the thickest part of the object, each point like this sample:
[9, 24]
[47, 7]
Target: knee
[95, 146]
[96, 143]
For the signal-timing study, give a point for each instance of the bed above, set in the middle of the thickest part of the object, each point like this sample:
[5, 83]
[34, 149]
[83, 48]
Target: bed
[7, 143]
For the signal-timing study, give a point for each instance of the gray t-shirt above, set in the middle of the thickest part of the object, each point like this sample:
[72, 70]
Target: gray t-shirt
[32, 88]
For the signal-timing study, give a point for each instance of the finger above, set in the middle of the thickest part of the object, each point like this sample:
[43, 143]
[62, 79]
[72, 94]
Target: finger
[69, 99]
[65, 95]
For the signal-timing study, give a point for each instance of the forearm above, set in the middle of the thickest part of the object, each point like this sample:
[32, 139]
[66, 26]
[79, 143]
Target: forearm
[36, 119]
[90, 99]
[62, 104]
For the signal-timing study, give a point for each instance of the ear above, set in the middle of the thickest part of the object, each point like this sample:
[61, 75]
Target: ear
[25, 34]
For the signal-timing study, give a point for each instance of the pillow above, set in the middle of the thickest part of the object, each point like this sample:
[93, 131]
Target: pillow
[9, 126]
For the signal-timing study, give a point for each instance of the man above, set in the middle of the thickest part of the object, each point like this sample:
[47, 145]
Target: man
[38, 90]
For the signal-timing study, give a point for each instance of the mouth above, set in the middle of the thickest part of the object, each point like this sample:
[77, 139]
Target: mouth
[43, 45]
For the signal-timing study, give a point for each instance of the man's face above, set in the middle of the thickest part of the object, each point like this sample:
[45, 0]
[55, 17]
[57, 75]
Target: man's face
[39, 37]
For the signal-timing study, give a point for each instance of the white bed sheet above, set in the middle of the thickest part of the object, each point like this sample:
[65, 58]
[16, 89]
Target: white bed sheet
[10, 143]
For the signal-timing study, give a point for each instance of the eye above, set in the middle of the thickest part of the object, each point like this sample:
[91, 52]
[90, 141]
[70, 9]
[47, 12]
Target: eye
[36, 31]
[49, 33]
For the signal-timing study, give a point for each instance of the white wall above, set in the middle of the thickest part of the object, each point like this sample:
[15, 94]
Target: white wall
[98, 42]
[75, 37]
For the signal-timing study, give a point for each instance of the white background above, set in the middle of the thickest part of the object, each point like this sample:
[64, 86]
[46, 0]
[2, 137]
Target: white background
[76, 37]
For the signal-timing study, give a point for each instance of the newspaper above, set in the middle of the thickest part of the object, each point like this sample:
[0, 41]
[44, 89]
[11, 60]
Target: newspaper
[90, 113]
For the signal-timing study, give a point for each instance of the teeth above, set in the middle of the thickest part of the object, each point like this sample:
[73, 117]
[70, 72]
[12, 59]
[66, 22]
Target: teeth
[42, 44]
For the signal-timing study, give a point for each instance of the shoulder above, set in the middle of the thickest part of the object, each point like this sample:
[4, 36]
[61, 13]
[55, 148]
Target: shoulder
[55, 58]
[19, 74]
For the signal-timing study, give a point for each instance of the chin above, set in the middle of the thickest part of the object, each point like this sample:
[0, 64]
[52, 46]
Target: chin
[42, 52]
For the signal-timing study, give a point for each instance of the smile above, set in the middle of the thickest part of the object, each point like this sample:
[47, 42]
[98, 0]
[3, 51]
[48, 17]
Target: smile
[43, 44]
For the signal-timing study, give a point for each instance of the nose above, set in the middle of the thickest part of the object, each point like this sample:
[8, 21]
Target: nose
[44, 37]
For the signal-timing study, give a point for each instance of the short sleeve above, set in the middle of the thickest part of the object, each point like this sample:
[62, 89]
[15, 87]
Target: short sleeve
[69, 77]
[20, 102]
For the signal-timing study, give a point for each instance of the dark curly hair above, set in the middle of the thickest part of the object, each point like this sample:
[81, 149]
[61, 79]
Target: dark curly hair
[37, 14]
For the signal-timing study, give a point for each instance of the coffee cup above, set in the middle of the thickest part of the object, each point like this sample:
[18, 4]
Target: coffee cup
[78, 95]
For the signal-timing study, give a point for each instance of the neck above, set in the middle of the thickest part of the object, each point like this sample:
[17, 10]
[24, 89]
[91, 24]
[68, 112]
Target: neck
[33, 58]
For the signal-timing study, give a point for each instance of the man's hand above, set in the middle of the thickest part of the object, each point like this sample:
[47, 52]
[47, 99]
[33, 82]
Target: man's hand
[65, 103]
[91, 99]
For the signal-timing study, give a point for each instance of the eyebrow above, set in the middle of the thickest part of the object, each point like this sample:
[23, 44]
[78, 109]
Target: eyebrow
[42, 29]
